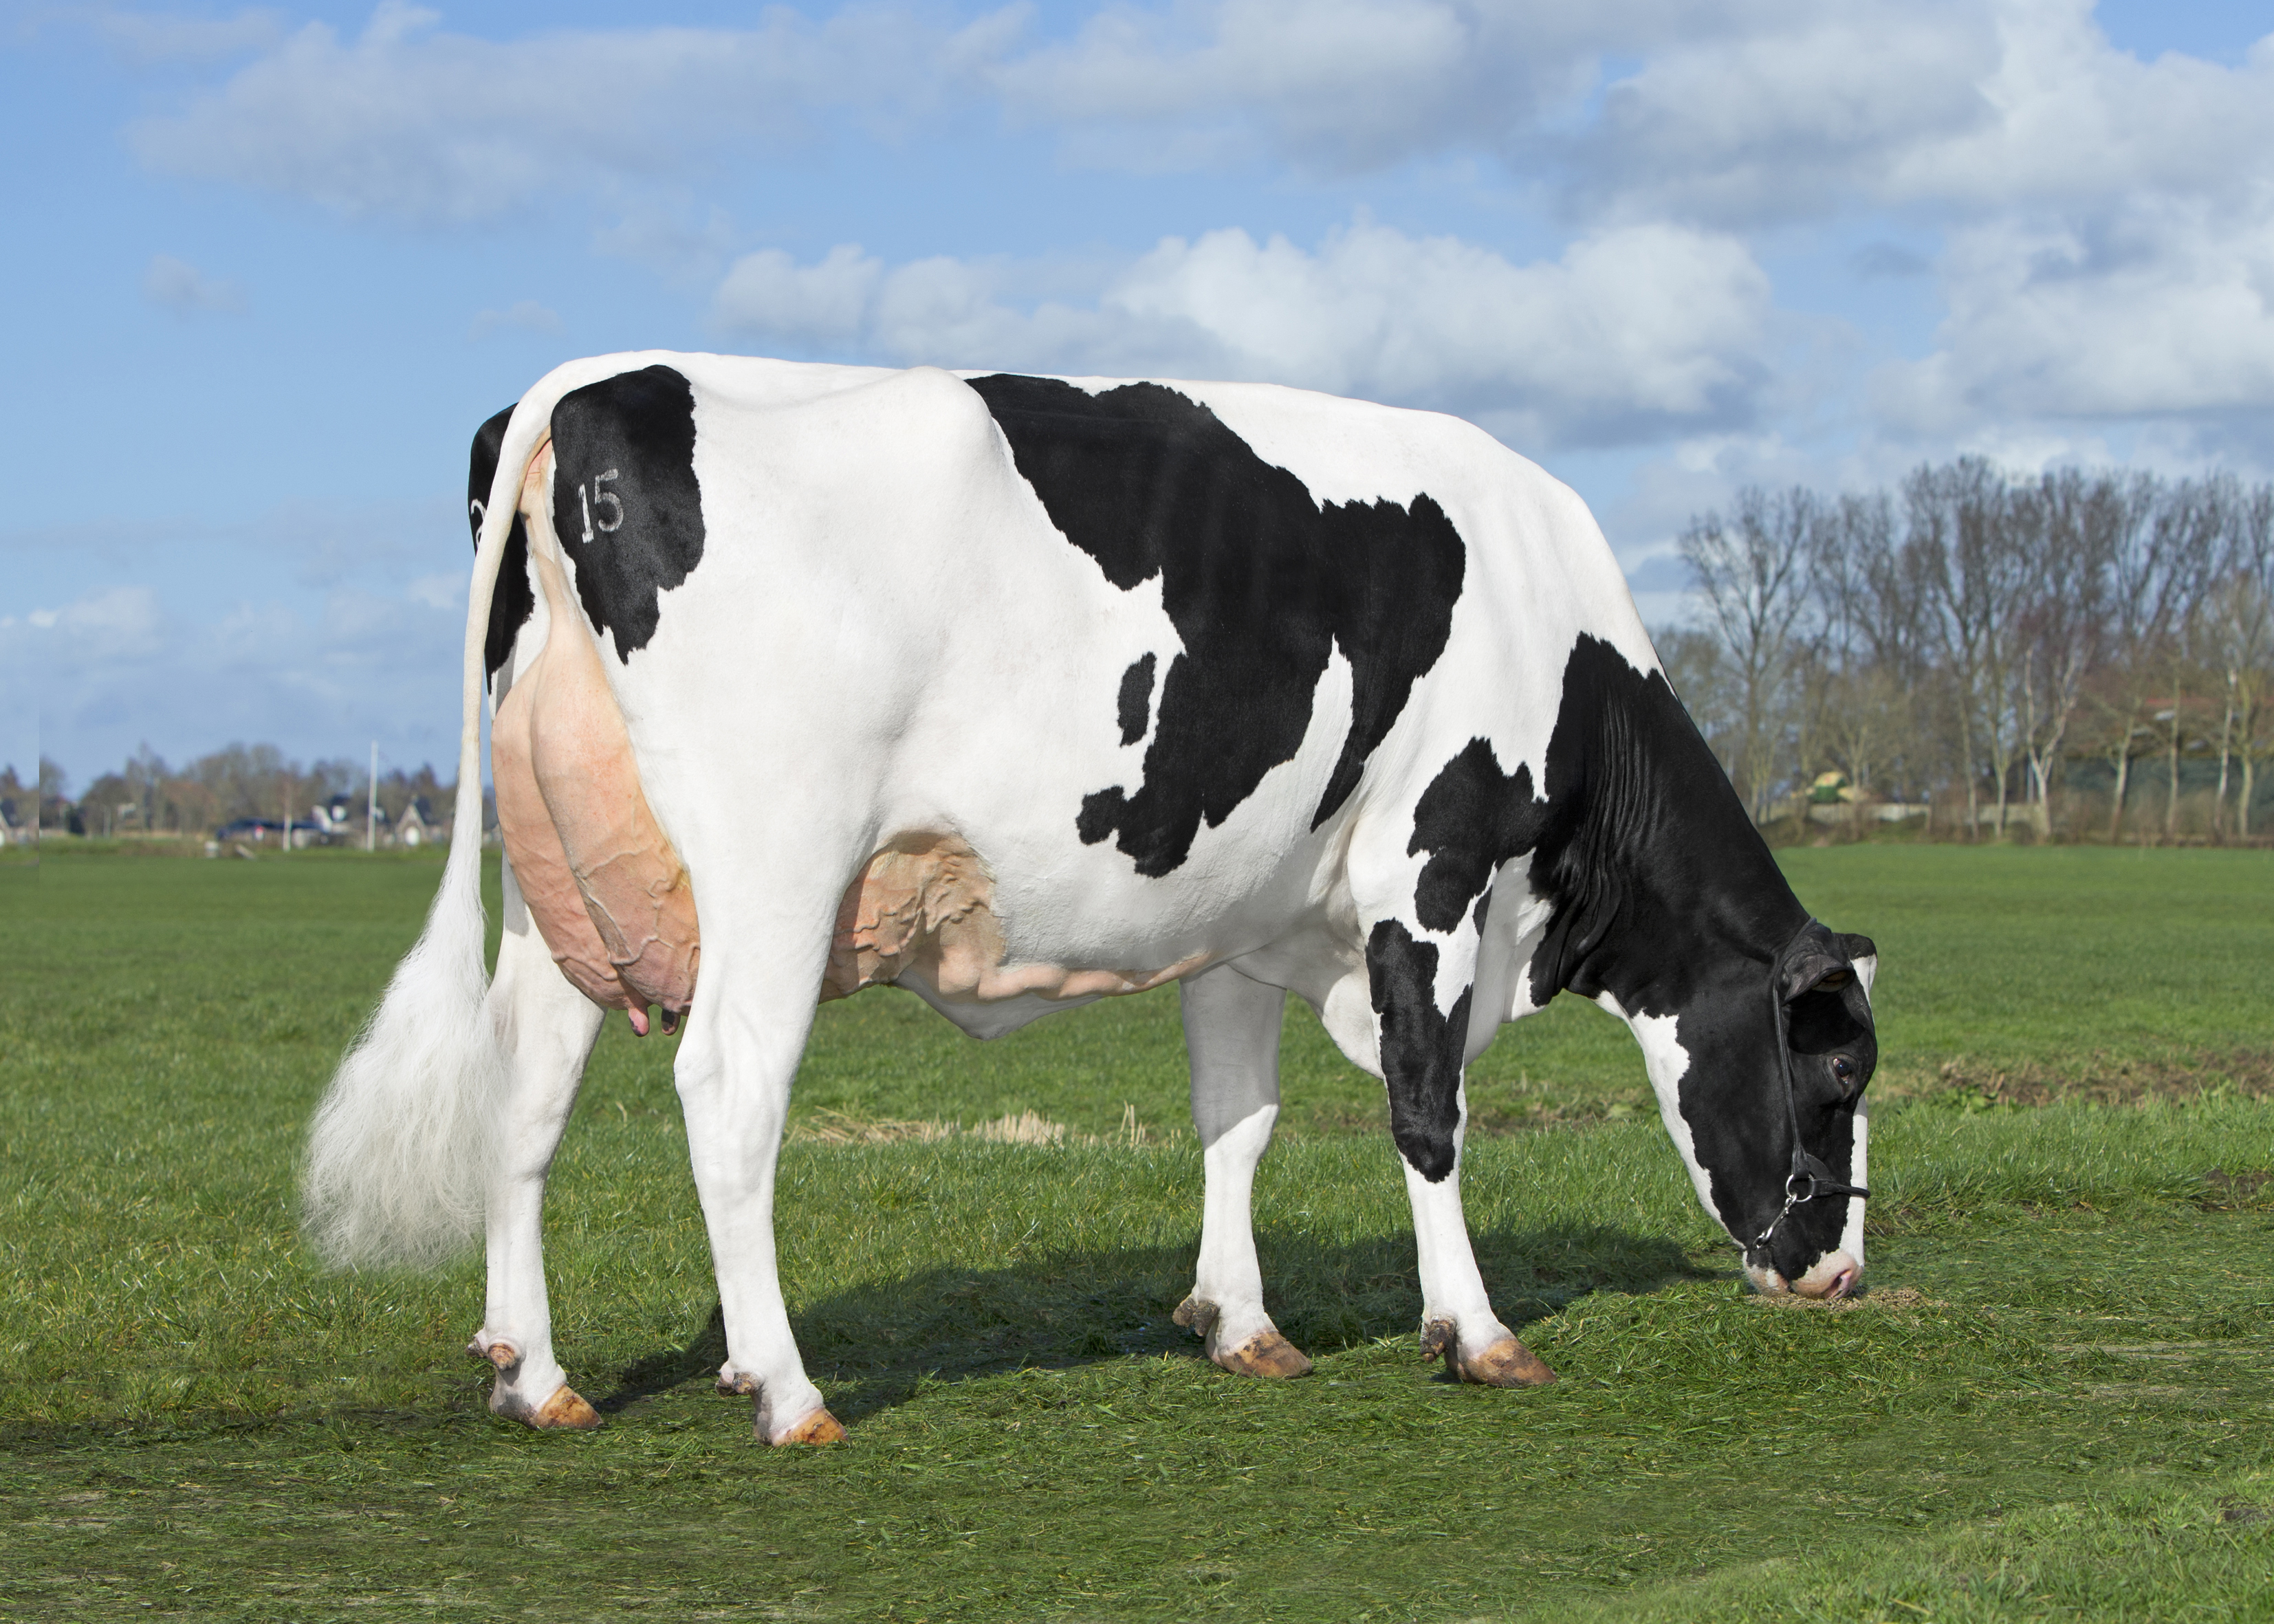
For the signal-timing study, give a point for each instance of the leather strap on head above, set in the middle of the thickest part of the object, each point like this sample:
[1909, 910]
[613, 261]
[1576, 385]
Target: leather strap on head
[1805, 961]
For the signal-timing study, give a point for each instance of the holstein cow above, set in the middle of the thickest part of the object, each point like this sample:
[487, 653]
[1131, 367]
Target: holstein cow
[1018, 692]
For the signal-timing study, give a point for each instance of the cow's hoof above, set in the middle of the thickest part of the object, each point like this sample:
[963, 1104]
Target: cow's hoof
[820, 1427]
[566, 1411]
[1267, 1354]
[1508, 1362]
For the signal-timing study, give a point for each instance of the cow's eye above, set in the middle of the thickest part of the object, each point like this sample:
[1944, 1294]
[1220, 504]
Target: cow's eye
[1843, 1069]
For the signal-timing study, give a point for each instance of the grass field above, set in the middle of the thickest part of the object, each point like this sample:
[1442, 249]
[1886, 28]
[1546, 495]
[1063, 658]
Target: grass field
[2057, 1399]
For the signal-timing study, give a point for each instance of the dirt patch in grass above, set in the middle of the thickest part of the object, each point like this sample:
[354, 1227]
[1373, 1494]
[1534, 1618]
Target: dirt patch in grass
[2225, 1191]
[2103, 1079]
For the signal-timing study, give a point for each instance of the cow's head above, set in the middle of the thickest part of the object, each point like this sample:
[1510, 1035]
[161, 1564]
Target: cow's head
[1747, 1057]
[1754, 1019]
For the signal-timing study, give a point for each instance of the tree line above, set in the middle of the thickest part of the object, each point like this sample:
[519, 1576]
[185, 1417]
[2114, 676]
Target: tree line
[148, 796]
[2081, 653]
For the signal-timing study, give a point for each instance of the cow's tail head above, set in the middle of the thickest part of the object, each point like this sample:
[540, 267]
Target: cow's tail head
[401, 1149]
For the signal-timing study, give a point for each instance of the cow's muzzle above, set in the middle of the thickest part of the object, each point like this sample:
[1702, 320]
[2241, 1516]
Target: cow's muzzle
[1831, 1277]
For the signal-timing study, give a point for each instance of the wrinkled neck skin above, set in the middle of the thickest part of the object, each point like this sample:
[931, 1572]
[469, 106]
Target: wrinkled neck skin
[1669, 912]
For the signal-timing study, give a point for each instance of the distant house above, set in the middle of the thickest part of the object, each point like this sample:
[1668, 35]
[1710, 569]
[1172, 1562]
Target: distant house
[12, 827]
[335, 819]
[417, 825]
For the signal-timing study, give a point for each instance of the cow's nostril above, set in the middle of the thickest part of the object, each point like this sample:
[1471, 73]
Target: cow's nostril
[1842, 1283]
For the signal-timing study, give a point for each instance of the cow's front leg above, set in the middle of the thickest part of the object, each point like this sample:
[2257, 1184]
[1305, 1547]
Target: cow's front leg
[546, 1027]
[1422, 1054]
[735, 1064]
[1232, 1035]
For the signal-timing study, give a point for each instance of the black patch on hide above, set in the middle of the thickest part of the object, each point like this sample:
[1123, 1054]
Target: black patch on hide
[1261, 581]
[513, 600]
[1420, 1049]
[625, 503]
[1471, 820]
[1136, 699]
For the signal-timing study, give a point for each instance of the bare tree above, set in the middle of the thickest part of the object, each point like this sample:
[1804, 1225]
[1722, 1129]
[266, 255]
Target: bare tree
[54, 794]
[1871, 587]
[2145, 599]
[2062, 626]
[1751, 573]
[2238, 625]
[2197, 524]
[1976, 550]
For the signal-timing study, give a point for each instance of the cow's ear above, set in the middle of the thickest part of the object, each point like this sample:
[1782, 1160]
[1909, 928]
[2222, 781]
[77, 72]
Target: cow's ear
[1818, 963]
[1865, 952]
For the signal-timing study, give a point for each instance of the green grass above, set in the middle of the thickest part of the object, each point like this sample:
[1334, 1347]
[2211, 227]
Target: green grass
[2056, 1402]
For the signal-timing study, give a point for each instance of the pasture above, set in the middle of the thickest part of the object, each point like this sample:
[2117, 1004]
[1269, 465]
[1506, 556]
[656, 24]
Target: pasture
[2056, 1400]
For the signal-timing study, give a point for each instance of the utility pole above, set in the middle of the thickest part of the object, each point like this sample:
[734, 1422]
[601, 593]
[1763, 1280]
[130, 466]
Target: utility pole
[371, 808]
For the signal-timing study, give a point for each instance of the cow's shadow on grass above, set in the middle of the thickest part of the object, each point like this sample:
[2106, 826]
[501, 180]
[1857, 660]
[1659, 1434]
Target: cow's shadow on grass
[872, 1346]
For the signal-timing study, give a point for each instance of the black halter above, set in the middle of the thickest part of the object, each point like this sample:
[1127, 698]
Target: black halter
[1810, 1177]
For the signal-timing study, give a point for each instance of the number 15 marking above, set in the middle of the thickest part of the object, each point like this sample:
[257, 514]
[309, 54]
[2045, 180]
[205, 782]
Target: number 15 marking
[594, 497]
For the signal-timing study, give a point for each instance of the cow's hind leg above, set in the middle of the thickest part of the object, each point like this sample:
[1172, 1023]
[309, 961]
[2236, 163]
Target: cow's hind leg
[734, 1069]
[546, 1027]
[1422, 1050]
[1232, 1035]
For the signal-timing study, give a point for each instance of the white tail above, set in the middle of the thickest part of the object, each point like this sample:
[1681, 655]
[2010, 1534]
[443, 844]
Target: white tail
[401, 1149]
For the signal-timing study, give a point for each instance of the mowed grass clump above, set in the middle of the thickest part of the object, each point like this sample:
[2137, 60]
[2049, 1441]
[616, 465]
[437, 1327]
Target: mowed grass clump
[2058, 1390]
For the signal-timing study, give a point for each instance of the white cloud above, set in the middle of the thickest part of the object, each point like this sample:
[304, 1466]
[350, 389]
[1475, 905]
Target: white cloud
[1959, 105]
[1786, 114]
[178, 286]
[2164, 307]
[408, 122]
[1729, 113]
[1332, 83]
[117, 623]
[1632, 328]
[523, 315]
[829, 302]
[2108, 222]
[1732, 113]
[2076, 121]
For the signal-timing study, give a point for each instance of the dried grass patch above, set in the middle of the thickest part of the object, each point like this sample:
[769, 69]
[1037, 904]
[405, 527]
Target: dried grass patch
[1892, 1299]
[1028, 1127]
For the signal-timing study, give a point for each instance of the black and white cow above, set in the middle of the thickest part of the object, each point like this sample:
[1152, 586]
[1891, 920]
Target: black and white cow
[1018, 692]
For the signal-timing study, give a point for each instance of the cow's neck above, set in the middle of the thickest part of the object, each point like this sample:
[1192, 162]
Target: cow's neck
[1650, 859]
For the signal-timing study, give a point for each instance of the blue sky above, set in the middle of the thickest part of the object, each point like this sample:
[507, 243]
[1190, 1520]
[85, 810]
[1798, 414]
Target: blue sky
[270, 268]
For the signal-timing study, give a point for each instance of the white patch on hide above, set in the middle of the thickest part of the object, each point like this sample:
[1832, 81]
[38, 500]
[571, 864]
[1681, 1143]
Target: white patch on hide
[1851, 1237]
[1667, 1063]
[1348, 1017]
